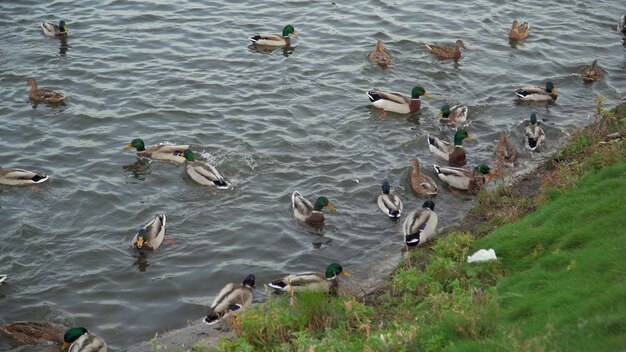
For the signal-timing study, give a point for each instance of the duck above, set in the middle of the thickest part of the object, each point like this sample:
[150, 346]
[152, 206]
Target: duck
[537, 93]
[311, 281]
[396, 102]
[519, 32]
[231, 298]
[78, 339]
[21, 177]
[446, 52]
[34, 332]
[53, 30]
[275, 39]
[379, 56]
[151, 235]
[621, 24]
[43, 95]
[203, 172]
[505, 151]
[304, 210]
[454, 154]
[422, 184]
[464, 180]
[593, 72]
[534, 134]
[453, 115]
[389, 203]
[160, 152]
[419, 226]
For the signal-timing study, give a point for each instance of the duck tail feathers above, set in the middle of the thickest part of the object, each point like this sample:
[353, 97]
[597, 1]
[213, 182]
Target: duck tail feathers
[293, 198]
[278, 285]
[373, 95]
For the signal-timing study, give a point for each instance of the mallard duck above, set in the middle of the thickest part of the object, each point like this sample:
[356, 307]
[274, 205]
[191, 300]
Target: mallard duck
[379, 56]
[452, 115]
[52, 30]
[534, 134]
[519, 32]
[80, 340]
[446, 52]
[33, 332]
[43, 95]
[203, 172]
[396, 102]
[389, 203]
[422, 184]
[151, 235]
[505, 150]
[621, 24]
[304, 210]
[419, 226]
[462, 179]
[161, 152]
[593, 72]
[275, 39]
[455, 155]
[311, 281]
[537, 93]
[21, 177]
[231, 298]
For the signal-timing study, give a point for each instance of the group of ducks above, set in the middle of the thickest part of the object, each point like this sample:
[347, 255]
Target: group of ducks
[419, 226]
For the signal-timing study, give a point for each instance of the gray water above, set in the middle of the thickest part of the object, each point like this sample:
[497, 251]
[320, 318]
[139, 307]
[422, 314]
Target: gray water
[271, 121]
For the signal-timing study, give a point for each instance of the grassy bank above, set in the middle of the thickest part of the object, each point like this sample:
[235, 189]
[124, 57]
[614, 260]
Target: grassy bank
[558, 285]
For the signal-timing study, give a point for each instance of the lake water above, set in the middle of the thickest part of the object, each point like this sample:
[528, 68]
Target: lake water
[272, 122]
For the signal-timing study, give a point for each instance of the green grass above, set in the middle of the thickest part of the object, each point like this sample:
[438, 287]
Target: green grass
[558, 283]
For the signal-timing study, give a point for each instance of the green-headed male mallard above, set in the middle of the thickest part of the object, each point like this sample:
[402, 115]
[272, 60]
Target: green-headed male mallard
[43, 95]
[537, 93]
[161, 152]
[462, 179]
[304, 210]
[422, 184]
[420, 225]
[452, 115]
[80, 340]
[518, 31]
[534, 134]
[311, 281]
[396, 102]
[21, 177]
[203, 172]
[379, 56]
[593, 72]
[231, 298]
[275, 39]
[389, 203]
[52, 30]
[151, 235]
[446, 52]
[454, 154]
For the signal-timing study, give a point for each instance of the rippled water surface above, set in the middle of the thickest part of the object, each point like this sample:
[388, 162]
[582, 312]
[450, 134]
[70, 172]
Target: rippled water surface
[273, 122]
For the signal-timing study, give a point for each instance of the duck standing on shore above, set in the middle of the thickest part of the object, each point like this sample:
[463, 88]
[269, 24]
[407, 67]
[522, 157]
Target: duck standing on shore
[231, 298]
[419, 226]
[311, 281]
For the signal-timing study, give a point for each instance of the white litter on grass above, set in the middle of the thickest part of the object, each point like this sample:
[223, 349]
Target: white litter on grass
[482, 255]
[2, 278]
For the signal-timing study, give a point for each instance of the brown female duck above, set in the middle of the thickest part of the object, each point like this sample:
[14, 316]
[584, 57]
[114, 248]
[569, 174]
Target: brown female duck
[519, 32]
[593, 72]
[379, 56]
[446, 52]
[43, 95]
[422, 184]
